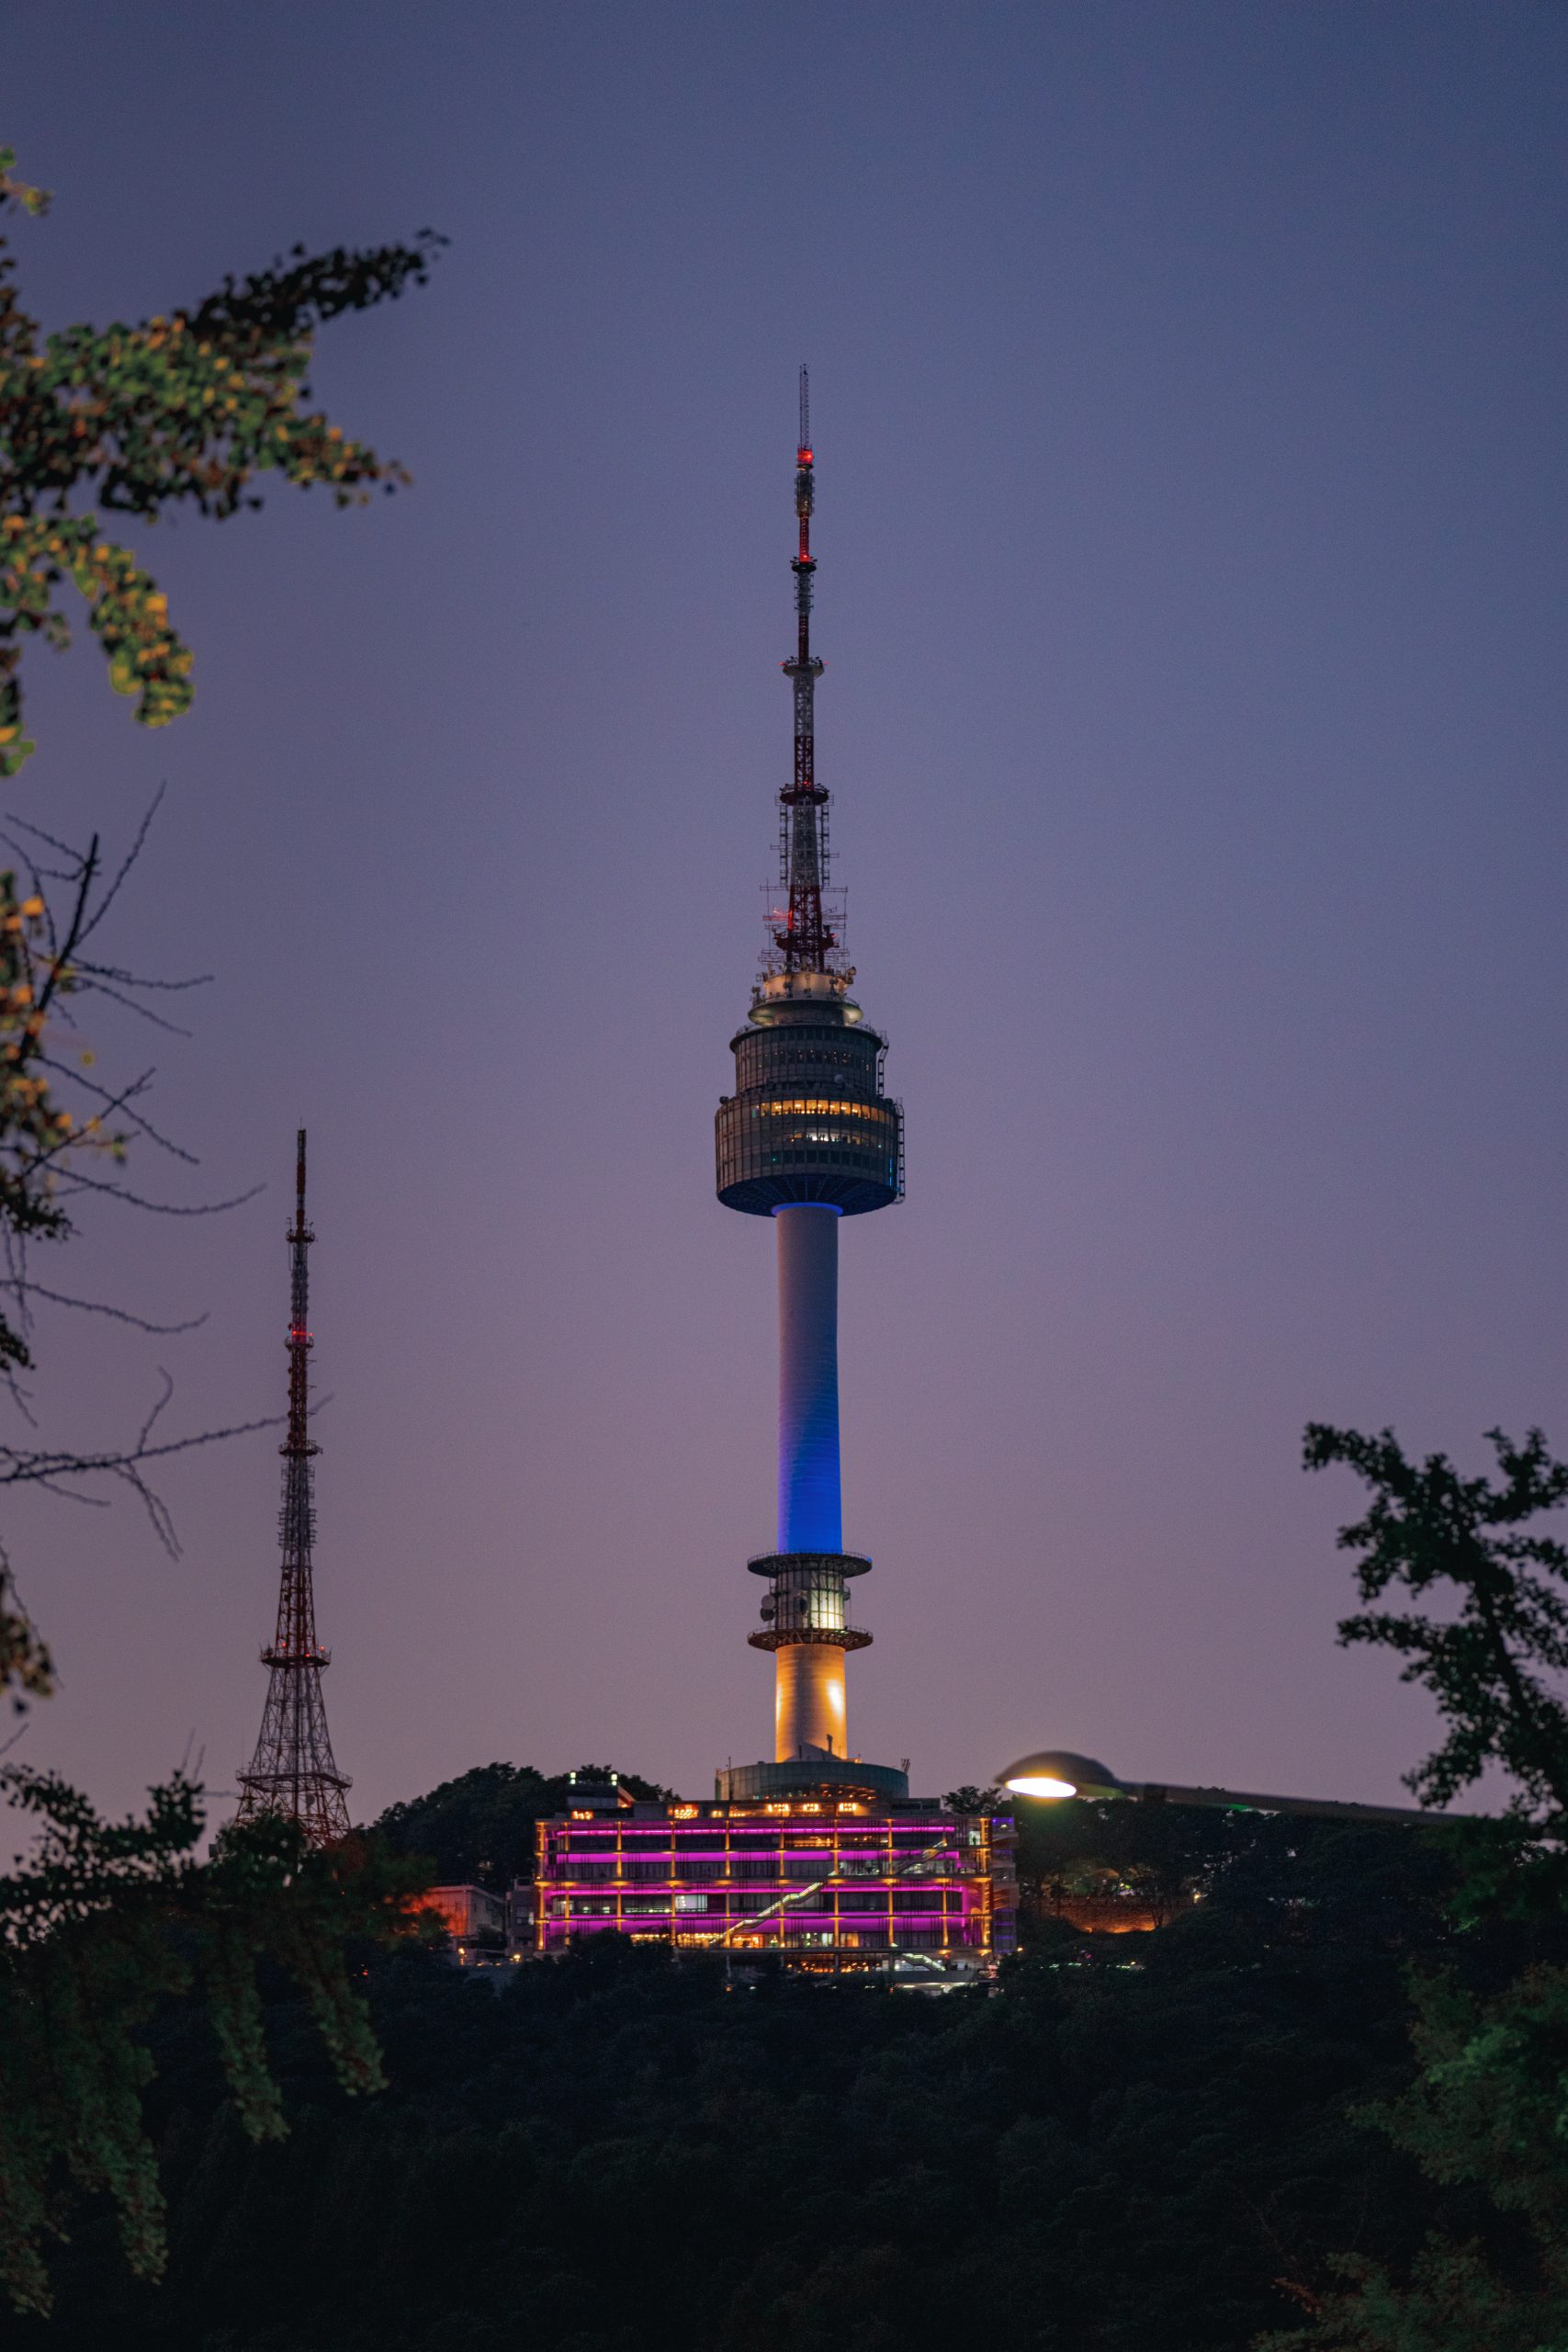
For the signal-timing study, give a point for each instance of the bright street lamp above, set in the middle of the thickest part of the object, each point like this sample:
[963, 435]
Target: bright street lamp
[1056, 1772]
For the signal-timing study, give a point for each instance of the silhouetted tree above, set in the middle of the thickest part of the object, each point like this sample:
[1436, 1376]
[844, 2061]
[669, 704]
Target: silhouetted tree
[1484, 2113]
[478, 1829]
[1503, 1606]
[185, 410]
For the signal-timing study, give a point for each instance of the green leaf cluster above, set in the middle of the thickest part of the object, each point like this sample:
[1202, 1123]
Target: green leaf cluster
[186, 409]
[111, 1920]
[1488, 2107]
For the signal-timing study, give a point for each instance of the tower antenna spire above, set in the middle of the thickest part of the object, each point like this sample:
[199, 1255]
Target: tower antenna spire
[804, 939]
[293, 1772]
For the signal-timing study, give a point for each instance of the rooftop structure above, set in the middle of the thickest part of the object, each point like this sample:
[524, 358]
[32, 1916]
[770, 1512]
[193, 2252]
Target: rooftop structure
[293, 1772]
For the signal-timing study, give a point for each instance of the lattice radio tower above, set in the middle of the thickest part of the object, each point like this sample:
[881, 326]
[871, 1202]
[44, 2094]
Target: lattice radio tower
[293, 1772]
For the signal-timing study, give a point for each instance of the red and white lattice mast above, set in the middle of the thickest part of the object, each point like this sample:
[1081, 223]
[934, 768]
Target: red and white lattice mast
[293, 1772]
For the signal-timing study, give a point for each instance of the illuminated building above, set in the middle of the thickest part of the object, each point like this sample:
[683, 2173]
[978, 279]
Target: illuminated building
[814, 1853]
[825, 1879]
[473, 1920]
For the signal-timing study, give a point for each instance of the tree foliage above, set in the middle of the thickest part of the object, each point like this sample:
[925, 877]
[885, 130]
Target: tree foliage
[186, 409]
[1127, 2148]
[1485, 2111]
[478, 1831]
[970, 1798]
[108, 1922]
[1433, 1532]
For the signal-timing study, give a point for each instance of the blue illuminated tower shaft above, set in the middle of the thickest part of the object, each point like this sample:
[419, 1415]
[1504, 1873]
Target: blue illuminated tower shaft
[807, 1138]
[808, 1680]
[810, 1510]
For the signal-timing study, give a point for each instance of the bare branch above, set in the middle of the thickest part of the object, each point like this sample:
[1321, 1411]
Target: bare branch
[77, 1182]
[25, 1289]
[137, 843]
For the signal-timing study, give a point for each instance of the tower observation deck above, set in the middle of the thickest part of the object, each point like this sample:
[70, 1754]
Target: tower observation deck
[807, 1138]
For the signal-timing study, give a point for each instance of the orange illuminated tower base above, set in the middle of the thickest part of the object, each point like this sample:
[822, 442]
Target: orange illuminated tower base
[808, 1700]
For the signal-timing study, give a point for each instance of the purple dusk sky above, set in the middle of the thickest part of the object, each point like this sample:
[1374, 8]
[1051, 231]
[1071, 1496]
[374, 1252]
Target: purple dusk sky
[1188, 389]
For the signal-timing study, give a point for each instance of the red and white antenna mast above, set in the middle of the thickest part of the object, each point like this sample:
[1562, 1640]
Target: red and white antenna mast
[293, 1772]
[804, 941]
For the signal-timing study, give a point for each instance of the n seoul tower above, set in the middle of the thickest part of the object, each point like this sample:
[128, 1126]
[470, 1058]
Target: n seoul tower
[807, 1138]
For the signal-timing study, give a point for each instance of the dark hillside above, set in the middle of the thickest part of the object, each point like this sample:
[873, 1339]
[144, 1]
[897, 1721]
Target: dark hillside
[1140, 2143]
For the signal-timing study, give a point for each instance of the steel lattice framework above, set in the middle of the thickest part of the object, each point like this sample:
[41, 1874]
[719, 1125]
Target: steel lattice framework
[804, 939]
[293, 1772]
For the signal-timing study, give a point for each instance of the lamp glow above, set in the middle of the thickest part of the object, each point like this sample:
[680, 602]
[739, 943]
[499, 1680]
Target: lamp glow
[1056, 1772]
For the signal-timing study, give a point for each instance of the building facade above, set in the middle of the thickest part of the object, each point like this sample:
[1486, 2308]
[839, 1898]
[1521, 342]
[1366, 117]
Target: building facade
[820, 1879]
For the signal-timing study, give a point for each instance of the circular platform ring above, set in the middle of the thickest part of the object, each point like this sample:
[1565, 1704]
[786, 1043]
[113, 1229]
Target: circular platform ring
[835, 1638]
[780, 1564]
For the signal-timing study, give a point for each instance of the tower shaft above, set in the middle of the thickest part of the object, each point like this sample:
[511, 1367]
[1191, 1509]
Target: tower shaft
[293, 1772]
[808, 1687]
[811, 1516]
